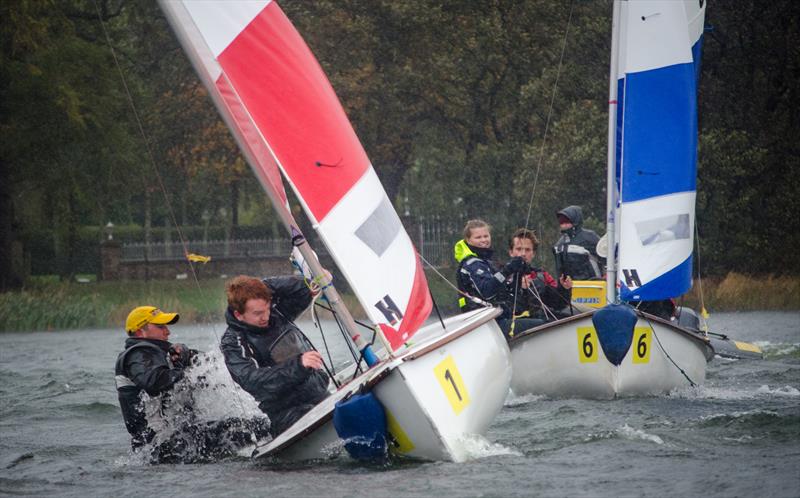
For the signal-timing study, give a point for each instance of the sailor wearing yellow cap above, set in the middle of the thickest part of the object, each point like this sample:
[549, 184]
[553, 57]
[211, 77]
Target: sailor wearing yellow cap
[149, 364]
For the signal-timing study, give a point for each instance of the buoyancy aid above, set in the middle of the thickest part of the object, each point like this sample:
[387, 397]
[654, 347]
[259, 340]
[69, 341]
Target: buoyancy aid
[477, 277]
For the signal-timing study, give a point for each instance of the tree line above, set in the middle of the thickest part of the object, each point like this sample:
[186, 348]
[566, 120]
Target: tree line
[466, 109]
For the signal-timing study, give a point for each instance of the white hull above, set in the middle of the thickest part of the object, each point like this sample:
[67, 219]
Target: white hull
[553, 360]
[443, 388]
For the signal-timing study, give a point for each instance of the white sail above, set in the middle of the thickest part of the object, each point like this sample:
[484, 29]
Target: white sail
[283, 107]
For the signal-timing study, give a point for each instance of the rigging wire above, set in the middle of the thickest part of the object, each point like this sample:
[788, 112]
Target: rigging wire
[305, 338]
[703, 312]
[538, 168]
[544, 136]
[318, 324]
[549, 114]
[546, 309]
[151, 158]
[474, 299]
[541, 153]
[691, 382]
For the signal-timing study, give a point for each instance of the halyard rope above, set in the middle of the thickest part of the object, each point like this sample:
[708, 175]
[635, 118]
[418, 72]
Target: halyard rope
[171, 211]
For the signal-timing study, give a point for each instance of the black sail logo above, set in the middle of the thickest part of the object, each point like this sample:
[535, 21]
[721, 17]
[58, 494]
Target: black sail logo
[632, 279]
[389, 310]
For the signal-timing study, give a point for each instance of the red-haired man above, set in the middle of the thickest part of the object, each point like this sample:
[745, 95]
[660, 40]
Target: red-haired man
[265, 352]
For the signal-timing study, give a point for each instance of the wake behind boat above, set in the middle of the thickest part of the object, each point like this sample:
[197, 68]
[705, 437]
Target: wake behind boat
[652, 155]
[436, 384]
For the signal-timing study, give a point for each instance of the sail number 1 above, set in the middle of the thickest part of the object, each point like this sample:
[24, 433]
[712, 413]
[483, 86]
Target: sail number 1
[452, 384]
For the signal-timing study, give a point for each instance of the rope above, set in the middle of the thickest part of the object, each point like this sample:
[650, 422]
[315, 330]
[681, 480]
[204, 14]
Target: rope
[691, 383]
[436, 307]
[307, 341]
[318, 325]
[546, 309]
[472, 298]
[703, 312]
[151, 158]
[544, 137]
[549, 114]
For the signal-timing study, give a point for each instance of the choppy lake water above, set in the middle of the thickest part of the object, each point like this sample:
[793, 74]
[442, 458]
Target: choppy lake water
[61, 433]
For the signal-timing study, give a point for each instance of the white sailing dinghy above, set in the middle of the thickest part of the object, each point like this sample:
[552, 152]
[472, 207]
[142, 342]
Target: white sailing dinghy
[652, 154]
[440, 383]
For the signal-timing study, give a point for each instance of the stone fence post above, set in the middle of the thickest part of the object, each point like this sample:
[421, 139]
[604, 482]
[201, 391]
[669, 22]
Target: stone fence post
[110, 255]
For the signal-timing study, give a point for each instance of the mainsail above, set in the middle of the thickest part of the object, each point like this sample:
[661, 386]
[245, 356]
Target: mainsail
[285, 115]
[656, 156]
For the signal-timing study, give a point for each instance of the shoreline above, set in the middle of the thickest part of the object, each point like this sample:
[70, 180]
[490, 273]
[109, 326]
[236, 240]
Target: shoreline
[60, 306]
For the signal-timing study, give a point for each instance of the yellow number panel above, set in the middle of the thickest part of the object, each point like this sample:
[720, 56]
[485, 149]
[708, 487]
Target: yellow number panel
[641, 344]
[587, 345]
[400, 441]
[452, 384]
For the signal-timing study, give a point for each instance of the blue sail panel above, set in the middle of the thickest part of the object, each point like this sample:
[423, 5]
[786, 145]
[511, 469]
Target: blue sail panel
[670, 284]
[660, 133]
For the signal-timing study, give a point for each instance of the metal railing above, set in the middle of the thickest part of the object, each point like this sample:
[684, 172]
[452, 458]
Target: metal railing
[435, 239]
[432, 237]
[173, 251]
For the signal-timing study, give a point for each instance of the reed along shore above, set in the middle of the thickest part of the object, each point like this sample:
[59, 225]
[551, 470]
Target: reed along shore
[50, 305]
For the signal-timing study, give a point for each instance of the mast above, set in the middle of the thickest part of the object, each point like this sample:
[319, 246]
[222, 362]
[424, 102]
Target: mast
[611, 177]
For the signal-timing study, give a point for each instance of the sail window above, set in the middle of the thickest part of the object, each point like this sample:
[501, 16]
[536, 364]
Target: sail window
[381, 228]
[663, 229]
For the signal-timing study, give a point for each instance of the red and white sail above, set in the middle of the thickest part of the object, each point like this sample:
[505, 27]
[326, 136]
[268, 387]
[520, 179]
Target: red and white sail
[284, 113]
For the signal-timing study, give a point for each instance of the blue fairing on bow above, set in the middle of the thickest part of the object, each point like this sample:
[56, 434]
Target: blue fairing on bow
[671, 284]
[660, 132]
[361, 423]
[614, 324]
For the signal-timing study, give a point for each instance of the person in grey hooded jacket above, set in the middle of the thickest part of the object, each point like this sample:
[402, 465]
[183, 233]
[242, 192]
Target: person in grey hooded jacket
[265, 352]
[576, 251]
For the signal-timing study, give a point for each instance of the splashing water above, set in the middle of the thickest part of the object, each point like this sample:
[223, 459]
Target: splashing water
[629, 432]
[205, 417]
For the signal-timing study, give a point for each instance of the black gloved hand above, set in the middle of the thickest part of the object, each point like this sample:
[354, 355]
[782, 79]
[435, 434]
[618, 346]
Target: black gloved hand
[181, 355]
[514, 265]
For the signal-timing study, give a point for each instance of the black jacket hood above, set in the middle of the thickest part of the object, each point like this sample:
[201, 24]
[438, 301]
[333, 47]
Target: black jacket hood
[574, 213]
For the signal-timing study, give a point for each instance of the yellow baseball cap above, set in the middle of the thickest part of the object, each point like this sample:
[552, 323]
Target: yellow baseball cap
[143, 315]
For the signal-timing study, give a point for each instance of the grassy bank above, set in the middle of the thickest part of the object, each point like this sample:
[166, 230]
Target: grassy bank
[54, 306]
[737, 292]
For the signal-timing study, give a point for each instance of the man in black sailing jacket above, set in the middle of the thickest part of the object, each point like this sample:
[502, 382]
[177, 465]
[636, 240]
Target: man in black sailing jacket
[146, 375]
[534, 291]
[576, 250]
[265, 352]
[149, 364]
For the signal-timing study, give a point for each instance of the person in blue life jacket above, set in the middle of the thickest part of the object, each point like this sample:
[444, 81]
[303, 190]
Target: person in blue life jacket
[477, 277]
[534, 292]
[267, 354]
[576, 251]
[146, 374]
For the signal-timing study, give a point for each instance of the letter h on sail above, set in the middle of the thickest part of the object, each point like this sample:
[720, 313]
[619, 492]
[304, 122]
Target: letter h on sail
[389, 310]
[632, 278]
